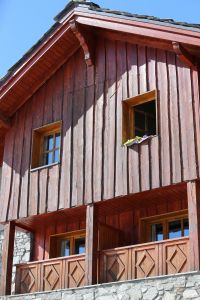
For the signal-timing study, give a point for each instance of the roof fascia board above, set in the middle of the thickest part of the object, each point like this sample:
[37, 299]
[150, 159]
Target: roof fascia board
[36, 56]
[140, 28]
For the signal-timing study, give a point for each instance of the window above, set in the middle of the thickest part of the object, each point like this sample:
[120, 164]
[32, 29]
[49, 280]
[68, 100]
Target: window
[139, 116]
[169, 226]
[66, 244]
[46, 145]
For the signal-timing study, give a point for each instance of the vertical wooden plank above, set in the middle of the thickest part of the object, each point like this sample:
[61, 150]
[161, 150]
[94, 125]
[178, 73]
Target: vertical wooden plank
[26, 154]
[78, 131]
[99, 121]
[154, 142]
[110, 110]
[133, 90]
[52, 203]
[17, 162]
[39, 243]
[66, 165]
[88, 136]
[144, 147]
[121, 186]
[47, 119]
[91, 245]
[193, 194]
[187, 122]
[196, 97]
[174, 121]
[7, 258]
[7, 172]
[162, 80]
[49, 230]
[54, 171]
[38, 103]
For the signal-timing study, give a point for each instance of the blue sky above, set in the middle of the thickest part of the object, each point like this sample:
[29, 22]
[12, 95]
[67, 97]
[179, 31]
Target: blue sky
[23, 22]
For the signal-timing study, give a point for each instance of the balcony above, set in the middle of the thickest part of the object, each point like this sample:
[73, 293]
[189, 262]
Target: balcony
[118, 264]
[51, 274]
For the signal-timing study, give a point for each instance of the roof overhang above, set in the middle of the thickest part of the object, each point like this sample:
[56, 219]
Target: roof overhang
[63, 42]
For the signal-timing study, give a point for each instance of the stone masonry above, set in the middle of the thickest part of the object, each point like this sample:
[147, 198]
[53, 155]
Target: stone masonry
[175, 287]
[21, 251]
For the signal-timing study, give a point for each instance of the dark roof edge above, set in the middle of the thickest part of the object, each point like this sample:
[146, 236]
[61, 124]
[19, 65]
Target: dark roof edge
[74, 4]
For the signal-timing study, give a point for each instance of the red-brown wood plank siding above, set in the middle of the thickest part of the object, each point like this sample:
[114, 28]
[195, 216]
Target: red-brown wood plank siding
[94, 165]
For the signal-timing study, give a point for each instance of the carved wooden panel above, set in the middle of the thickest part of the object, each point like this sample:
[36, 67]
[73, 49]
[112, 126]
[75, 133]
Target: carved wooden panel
[144, 261]
[27, 279]
[175, 257]
[51, 276]
[114, 265]
[76, 273]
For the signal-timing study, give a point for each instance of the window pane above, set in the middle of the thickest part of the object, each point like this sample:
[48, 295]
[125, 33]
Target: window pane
[57, 145]
[174, 229]
[157, 232]
[56, 156]
[145, 118]
[65, 248]
[48, 158]
[48, 142]
[185, 227]
[80, 246]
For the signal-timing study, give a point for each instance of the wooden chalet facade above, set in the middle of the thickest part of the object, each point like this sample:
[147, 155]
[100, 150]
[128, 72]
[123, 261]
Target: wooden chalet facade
[99, 210]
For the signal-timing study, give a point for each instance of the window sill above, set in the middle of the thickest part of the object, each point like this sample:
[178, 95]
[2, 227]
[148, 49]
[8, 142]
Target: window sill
[137, 141]
[44, 167]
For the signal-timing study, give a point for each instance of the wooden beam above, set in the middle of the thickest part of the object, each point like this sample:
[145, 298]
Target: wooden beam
[7, 258]
[193, 193]
[184, 55]
[91, 245]
[86, 40]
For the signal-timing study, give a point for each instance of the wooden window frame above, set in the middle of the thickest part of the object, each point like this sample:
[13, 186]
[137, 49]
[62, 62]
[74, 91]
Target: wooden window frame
[38, 137]
[128, 130]
[55, 241]
[145, 223]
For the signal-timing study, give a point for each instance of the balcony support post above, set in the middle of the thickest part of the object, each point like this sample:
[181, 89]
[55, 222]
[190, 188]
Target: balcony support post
[91, 245]
[7, 258]
[193, 195]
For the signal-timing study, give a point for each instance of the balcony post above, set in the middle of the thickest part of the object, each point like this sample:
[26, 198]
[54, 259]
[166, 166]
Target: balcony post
[91, 245]
[193, 194]
[7, 258]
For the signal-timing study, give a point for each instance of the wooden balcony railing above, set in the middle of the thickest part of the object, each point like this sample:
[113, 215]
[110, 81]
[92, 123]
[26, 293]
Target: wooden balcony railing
[51, 274]
[145, 260]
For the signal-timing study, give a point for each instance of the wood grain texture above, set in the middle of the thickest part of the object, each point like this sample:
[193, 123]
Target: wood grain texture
[94, 165]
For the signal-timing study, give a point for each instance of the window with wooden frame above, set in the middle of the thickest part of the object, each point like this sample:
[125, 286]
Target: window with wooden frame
[46, 145]
[139, 116]
[65, 244]
[168, 226]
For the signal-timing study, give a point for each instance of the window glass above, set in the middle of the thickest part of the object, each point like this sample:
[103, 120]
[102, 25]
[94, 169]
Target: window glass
[65, 247]
[57, 143]
[174, 229]
[145, 119]
[157, 232]
[79, 245]
[56, 156]
[185, 227]
[49, 142]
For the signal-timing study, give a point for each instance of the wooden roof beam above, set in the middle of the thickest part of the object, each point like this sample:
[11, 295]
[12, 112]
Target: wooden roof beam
[86, 40]
[184, 55]
[4, 121]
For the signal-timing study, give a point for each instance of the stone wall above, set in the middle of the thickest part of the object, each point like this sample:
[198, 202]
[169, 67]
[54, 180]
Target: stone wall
[176, 287]
[21, 250]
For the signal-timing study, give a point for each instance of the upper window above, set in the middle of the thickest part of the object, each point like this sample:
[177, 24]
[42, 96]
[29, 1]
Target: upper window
[66, 244]
[46, 145]
[139, 116]
[168, 226]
